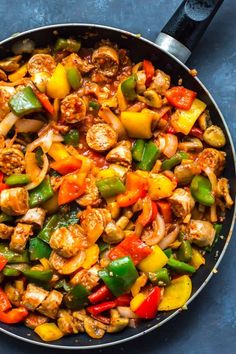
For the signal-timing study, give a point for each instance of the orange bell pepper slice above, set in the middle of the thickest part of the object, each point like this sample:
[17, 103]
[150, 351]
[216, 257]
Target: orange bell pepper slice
[72, 187]
[180, 97]
[149, 71]
[67, 165]
[165, 210]
[44, 100]
[136, 187]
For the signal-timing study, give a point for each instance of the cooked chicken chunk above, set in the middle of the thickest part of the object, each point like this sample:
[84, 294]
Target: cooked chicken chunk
[160, 82]
[68, 241]
[181, 202]
[41, 63]
[13, 294]
[93, 221]
[35, 216]
[81, 64]
[50, 306]
[120, 154]
[87, 277]
[6, 93]
[20, 237]
[222, 190]
[213, 159]
[14, 201]
[69, 324]
[202, 233]
[5, 231]
[101, 137]
[33, 297]
[12, 161]
[73, 108]
[57, 262]
[34, 320]
[106, 60]
[91, 196]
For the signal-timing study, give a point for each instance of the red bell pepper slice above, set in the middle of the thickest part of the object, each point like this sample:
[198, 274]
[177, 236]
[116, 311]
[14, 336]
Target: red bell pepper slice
[67, 165]
[4, 302]
[99, 308]
[149, 212]
[197, 132]
[123, 300]
[72, 187]
[149, 71]
[180, 97]
[148, 308]
[102, 294]
[2, 185]
[3, 262]
[170, 130]
[13, 316]
[136, 187]
[165, 210]
[44, 100]
[131, 246]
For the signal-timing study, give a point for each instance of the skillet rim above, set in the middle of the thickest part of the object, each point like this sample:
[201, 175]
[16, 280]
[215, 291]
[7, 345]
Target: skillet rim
[127, 33]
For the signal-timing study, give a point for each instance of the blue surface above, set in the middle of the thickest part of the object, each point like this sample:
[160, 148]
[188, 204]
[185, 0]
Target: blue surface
[209, 325]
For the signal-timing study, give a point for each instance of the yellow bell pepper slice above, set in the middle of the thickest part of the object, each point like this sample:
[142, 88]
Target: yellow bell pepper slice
[57, 85]
[137, 124]
[176, 294]
[122, 103]
[139, 283]
[109, 172]
[31, 167]
[92, 254]
[159, 186]
[18, 74]
[45, 263]
[137, 301]
[58, 152]
[197, 259]
[48, 332]
[183, 121]
[154, 262]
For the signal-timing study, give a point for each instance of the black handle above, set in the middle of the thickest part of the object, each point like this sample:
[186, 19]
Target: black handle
[188, 23]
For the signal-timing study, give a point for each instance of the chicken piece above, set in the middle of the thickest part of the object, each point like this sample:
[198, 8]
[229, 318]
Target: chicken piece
[50, 306]
[91, 196]
[68, 323]
[20, 237]
[33, 297]
[93, 221]
[57, 262]
[13, 294]
[160, 82]
[12, 161]
[101, 137]
[121, 154]
[5, 231]
[10, 64]
[73, 108]
[106, 60]
[34, 320]
[213, 159]
[15, 201]
[35, 216]
[222, 190]
[86, 277]
[181, 202]
[6, 92]
[202, 233]
[82, 65]
[41, 63]
[67, 242]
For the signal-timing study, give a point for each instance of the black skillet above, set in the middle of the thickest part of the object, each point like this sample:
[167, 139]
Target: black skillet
[178, 37]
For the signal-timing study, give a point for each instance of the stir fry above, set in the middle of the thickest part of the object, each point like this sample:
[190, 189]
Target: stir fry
[111, 190]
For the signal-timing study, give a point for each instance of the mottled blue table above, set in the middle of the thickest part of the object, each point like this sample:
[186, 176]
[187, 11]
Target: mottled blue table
[209, 325]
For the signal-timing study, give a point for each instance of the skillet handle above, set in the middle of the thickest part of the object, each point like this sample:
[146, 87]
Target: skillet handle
[185, 28]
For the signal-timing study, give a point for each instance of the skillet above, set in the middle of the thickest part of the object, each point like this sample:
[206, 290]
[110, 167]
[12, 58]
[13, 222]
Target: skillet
[178, 37]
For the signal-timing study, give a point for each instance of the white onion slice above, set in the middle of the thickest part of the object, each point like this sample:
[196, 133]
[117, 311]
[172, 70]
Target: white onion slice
[126, 312]
[170, 238]
[28, 125]
[45, 141]
[7, 123]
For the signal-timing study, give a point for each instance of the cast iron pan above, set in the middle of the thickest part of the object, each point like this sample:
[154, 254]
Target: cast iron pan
[179, 37]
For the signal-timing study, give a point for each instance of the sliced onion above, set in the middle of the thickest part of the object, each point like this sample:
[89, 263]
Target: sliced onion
[57, 138]
[134, 322]
[110, 118]
[28, 125]
[45, 141]
[212, 177]
[7, 123]
[126, 312]
[41, 175]
[171, 145]
[162, 143]
[158, 233]
[169, 238]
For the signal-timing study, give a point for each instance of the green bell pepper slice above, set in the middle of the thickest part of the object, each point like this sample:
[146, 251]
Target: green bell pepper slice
[180, 267]
[25, 102]
[17, 179]
[39, 156]
[6, 218]
[201, 190]
[50, 226]
[150, 155]
[185, 252]
[77, 298]
[72, 137]
[128, 88]
[38, 249]
[168, 252]
[62, 284]
[69, 44]
[110, 187]
[14, 270]
[168, 164]
[38, 275]
[40, 194]
[14, 257]
[119, 276]
[160, 278]
[94, 105]
[137, 150]
[74, 77]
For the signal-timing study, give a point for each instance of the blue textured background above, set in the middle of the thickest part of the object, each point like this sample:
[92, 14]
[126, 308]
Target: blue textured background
[209, 325]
